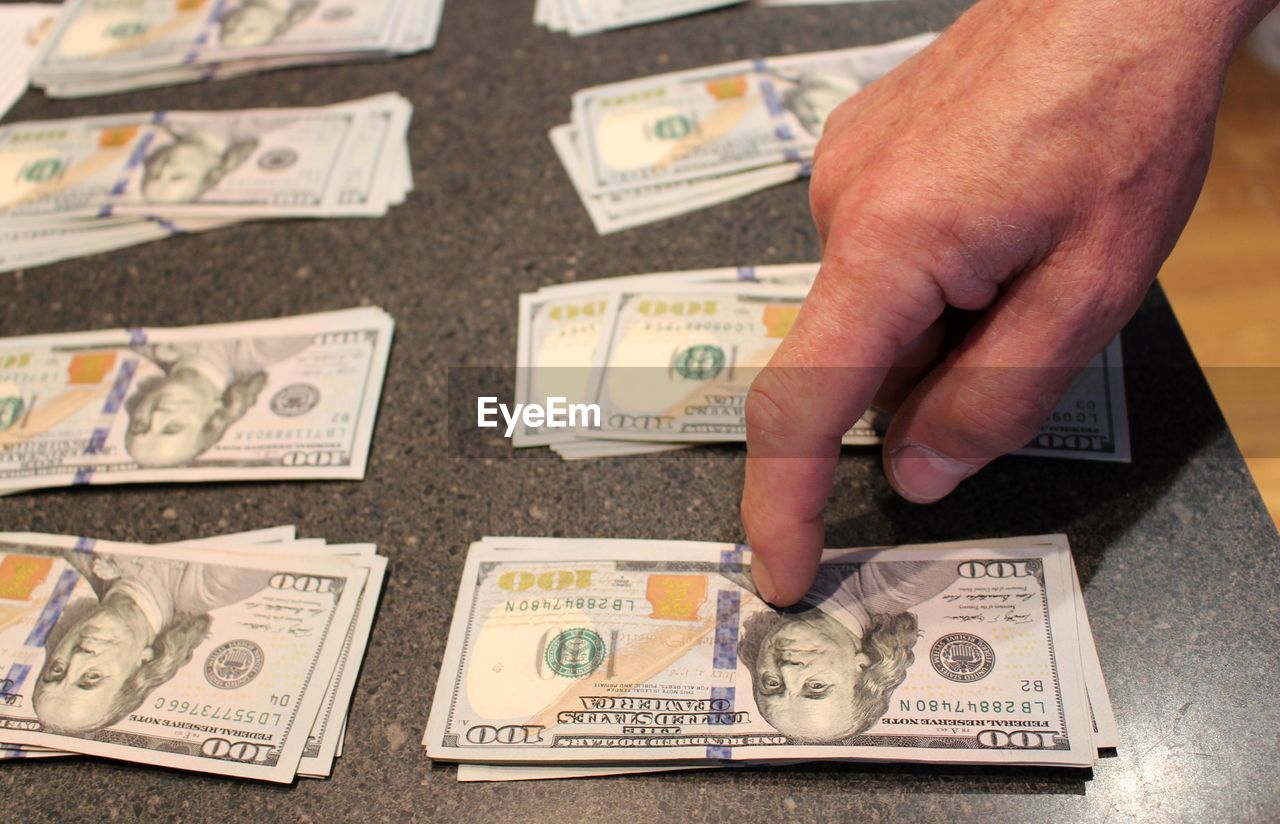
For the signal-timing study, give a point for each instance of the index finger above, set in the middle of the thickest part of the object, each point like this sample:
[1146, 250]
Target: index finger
[818, 383]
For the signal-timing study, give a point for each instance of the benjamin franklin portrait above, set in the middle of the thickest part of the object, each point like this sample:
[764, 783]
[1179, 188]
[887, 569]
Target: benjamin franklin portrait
[190, 164]
[206, 387]
[813, 96]
[105, 657]
[823, 672]
[250, 23]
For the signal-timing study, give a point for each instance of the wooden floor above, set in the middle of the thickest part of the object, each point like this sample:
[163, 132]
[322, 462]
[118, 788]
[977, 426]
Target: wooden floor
[1224, 276]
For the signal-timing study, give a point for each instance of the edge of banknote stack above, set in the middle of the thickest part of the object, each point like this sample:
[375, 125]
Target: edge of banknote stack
[582, 17]
[583, 657]
[103, 47]
[250, 646]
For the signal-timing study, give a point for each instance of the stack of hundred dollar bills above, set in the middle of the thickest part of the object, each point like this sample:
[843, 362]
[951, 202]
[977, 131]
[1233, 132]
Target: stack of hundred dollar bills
[106, 46]
[70, 188]
[234, 655]
[667, 359]
[649, 149]
[579, 17]
[286, 399]
[576, 657]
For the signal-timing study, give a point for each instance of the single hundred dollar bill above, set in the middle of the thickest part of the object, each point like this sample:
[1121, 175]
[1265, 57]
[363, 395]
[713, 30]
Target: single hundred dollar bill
[273, 399]
[622, 651]
[174, 656]
[726, 118]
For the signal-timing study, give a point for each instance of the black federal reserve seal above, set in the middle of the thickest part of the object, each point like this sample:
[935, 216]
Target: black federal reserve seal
[233, 664]
[575, 653]
[962, 657]
[295, 399]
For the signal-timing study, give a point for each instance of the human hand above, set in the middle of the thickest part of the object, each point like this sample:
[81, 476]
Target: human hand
[1035, 165]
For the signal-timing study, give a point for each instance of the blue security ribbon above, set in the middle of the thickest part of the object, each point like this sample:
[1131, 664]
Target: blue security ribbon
[724, 656]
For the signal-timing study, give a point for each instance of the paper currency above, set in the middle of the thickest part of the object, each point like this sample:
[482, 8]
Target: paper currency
[675, 363]
[275, 537]
[561, 326]
[323, 742]
[1091, 421]
[104, 46]
[544, 772]
[274, 399]
[579, 17]
[22, 25]
[617, 652]
[235, 655]
[814, 2]
[73, 187]
[648, 149]
[668, 359]
[614, 211]
[1105, 732]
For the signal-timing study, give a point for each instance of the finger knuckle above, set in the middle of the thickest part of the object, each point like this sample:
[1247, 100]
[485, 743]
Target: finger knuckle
[937, 237]
[824, 189]
[905, 298]
[949, 234]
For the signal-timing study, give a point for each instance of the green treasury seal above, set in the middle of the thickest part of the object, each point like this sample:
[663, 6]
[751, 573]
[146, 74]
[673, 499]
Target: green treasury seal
[575, 653]
[702, 362]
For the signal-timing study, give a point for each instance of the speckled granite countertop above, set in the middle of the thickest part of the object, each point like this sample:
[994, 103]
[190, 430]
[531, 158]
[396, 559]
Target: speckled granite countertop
[1177, 554]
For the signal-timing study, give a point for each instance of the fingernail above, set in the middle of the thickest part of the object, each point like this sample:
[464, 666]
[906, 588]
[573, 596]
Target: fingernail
[925, 475]
[764, 583]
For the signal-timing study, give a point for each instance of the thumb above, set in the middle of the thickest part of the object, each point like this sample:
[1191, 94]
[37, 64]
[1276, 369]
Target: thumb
[993, 394]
